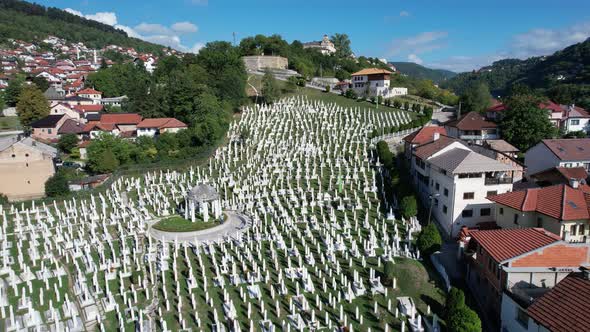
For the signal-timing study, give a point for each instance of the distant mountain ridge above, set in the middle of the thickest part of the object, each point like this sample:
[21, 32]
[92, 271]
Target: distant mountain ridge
[32, 22]
[418, 71]
[570, 66]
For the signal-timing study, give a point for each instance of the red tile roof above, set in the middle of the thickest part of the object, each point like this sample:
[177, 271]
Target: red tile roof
[161, 123]
[121, 118]
[89, 91]
[371, 71]
[549, 105]
[428, 149]
[504, 244]
[471, 121]
[566, 307]
[570, 149]
[578, 173]
[88, 108]
[424, 135]
[561, 201]
[500, 107]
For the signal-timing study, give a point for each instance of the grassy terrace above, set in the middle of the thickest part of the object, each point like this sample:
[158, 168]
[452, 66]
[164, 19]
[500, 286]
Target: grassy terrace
[8, 123]
[179, 224]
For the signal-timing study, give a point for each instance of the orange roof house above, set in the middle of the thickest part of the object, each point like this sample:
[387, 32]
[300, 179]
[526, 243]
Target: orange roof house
[561, 209]
[156, 126]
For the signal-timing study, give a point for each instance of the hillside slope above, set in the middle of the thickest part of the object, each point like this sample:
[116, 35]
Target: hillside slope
[417, 71]
[570, 66]
[31, 22]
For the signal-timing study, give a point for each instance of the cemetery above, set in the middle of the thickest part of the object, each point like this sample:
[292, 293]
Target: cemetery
[292, 231]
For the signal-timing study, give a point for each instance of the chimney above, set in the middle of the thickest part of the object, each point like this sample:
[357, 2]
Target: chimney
[574, 183]
[435, 136]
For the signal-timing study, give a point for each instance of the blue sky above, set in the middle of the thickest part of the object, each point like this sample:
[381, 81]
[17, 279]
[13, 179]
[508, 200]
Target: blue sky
[457, 35]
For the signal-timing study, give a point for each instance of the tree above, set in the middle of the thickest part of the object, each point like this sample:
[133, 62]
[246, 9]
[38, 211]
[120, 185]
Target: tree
[67, 142]
[270, 89]
[13, 91]
[342, 45]
[429, 240]
[524, 109]
[40, 82]
[31, 105]
[576, 134]
[409, 207]
[57, 185]
[388, 273]
[476, 98]
[107, 162]
[455, 299]
[464, 319]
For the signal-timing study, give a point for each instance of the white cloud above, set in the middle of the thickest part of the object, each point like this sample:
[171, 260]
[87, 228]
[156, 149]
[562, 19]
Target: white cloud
[184, 27]
[103, 17]
[197, 47]
[418, 44]
[462, 63]
[414, 58]
[404, 13]
[152, 32]
[535, 42]
[152, 29]
[546, 41]
[109, 18]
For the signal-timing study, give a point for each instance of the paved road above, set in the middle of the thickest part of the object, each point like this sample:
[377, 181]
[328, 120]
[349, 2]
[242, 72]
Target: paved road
[236, 223]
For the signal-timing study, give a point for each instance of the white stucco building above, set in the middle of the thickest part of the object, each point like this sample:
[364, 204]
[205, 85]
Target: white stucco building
[373, 82]
[457, 180]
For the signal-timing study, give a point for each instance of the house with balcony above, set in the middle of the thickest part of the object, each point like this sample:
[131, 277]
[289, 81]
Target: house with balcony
[456, 181]
[472, 127]
[520, 265]
[374, 82]
[561, 209]
[562, 308]
[550, 153]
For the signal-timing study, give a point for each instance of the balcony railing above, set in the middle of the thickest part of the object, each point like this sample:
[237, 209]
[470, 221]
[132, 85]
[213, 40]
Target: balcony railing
[494, 181]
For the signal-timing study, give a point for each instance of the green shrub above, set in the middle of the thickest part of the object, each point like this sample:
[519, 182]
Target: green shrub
[429, 240]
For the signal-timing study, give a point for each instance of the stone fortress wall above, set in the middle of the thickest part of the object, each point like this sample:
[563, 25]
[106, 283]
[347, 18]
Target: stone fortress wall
[258, 62]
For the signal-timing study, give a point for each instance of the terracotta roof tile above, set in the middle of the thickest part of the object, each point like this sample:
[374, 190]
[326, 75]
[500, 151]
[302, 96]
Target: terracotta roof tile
[571, 149]
[371, 71]
[426, 150]
[121, 118]
[161, 123]
[504, 244]
[424, 135]
[471, 121]
[561, 201]
[566, 307]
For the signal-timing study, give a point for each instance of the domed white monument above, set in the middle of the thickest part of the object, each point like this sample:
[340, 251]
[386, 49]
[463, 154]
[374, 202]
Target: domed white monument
[204, 198]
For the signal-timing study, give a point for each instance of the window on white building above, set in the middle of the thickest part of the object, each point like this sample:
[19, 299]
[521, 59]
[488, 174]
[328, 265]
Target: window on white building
[444, 209]
[467, 213]
[485, 212]
[575, 122]
[492, 193]
[470, 195]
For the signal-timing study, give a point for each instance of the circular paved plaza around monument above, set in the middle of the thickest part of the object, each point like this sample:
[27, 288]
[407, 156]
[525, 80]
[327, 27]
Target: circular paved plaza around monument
[235, 224]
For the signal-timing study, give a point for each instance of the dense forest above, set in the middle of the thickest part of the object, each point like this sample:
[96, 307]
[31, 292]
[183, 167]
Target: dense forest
[417, 71]
[32, 22]
[563, 76]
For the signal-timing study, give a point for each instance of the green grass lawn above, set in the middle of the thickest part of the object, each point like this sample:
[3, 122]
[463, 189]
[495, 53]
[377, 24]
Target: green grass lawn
[179, 224]
[8, 123]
